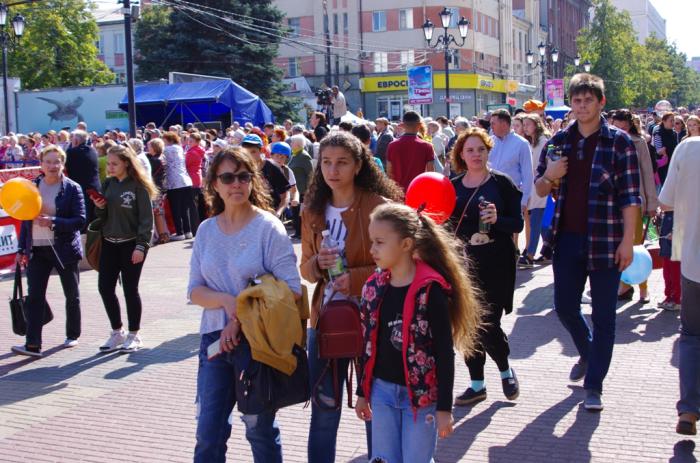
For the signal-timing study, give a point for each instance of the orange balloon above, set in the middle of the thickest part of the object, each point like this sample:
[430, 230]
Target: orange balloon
[20, 198]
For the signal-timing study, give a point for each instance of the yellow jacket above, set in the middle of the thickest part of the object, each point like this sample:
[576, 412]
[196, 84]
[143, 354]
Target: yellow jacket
[272, 322]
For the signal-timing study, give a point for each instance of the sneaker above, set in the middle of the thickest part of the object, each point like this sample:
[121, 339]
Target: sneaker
[188, 236]
[115, 341]
[670, 306]
[593, 402]
[28, 351]
[578, 371]
[133, 343]
[470, 397]
[511, 386]
[177, 237]
[542, 260]
[70, 342]
[686, 424]
[525, 261]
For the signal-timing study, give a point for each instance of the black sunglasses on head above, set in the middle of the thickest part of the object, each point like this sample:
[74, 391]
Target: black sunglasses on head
[228, 178]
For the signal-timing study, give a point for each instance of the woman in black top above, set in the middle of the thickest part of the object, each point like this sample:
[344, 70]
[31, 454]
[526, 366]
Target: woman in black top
[492, 253]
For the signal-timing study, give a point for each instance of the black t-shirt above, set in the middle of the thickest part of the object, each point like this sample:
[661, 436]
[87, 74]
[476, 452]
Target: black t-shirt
[276, 182]
[389, 364]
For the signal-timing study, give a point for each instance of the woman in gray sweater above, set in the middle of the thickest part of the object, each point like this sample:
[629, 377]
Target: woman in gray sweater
[243, 239]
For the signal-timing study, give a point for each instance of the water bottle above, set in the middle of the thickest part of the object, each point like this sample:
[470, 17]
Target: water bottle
[329, 243]
[484, 227]
[554, 153]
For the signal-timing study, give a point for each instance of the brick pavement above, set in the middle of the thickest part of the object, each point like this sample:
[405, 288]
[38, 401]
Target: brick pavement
[74, 405]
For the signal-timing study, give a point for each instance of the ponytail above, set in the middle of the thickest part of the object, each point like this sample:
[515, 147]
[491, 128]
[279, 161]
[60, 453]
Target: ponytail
[436, 247]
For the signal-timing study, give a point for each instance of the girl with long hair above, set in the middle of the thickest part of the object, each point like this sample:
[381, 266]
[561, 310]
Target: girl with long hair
[346, 187]
[420, 301]
[487, 214]
[693, 127]
[127, 226]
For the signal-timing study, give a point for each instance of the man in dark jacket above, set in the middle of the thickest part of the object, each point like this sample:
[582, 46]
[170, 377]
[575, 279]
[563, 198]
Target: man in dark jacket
[385, 137]
[81, 167]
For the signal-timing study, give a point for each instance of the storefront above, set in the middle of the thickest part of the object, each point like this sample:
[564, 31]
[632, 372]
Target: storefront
[387, 95]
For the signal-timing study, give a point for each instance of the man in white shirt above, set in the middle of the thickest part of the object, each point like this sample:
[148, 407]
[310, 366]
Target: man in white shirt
[340, 107]
[680, 193]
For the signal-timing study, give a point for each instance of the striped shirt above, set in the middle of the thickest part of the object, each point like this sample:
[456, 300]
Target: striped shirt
[614, 185]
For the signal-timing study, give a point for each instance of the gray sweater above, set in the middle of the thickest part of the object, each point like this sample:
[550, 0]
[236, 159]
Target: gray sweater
[225, 263]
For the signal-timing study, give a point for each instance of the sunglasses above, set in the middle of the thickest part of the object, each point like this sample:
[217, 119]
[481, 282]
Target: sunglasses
[228, 178]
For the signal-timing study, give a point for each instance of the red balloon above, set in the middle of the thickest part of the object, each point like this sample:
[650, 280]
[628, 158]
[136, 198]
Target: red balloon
[436, 192]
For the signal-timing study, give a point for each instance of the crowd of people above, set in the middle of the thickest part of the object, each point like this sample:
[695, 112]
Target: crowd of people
[423, 290]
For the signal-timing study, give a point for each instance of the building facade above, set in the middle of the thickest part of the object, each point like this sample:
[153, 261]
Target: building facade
[561, 21]
[366, 48]
[111, 44]
[646, 20]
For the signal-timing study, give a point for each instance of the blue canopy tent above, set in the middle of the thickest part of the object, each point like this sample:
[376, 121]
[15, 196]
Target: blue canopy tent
[198, 102]
[557, 112]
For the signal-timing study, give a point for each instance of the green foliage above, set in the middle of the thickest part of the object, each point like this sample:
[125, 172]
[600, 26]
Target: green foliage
[175, 40]
[635, 75]
[58, 47]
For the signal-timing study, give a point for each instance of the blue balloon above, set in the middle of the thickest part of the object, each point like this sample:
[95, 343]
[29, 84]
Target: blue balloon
[640, 268]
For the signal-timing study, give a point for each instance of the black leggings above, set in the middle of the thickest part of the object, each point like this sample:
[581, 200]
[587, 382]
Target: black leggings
[115, 259]
[182, 206]
[296, 217]
[492, 341]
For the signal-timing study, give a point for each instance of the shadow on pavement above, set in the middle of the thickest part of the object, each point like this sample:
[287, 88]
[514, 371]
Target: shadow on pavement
[538, 439]
[458, 444]
[40, 381]
[537, 300]
[683, 452]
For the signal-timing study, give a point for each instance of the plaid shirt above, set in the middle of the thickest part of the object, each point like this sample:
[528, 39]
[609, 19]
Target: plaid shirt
[614, 185]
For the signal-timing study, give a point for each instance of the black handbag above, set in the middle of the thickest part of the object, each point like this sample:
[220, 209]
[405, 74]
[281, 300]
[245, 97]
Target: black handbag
[18, 311]
[261, 388]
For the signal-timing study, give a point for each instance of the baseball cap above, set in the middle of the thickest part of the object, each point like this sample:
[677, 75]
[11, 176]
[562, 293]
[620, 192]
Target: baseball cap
[252, 139]
[281, 148]
[220, 143]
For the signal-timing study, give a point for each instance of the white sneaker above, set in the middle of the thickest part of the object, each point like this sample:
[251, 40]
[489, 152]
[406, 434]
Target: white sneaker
[133, 343]
[22, 350]
[177, 237]
[115, 341]
[188, 236]
[70, 342]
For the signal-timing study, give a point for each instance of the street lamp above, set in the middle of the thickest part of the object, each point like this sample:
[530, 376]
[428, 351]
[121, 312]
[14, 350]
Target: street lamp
[444, 41]
[7, 42]
[587, 66]
[542, 63]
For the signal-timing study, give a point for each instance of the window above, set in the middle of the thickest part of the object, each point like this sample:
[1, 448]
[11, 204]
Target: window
[455, 16]
[453, 60]
[345, 24]
[406, 19]
[101, 45]
[378, 21]
[119, 42]
[335, 23]
[294, 67]
[408, 58]
[381, 61]
[295, 26]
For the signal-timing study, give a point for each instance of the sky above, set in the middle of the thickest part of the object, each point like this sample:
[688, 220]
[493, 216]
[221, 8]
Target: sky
[682, 18]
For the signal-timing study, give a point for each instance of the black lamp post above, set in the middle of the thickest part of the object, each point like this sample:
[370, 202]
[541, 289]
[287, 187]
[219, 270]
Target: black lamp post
[444, 41]
[542, 63]
[8, 40]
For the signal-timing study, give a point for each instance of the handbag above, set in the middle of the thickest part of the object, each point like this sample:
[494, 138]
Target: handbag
[93, 244]
[260, 388]
[18, 312]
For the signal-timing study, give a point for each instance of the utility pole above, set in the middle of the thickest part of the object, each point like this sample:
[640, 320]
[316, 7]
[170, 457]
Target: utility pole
[326, 31]
[131, 97]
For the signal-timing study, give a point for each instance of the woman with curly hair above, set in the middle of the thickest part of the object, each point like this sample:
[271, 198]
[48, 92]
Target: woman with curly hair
[347, 186]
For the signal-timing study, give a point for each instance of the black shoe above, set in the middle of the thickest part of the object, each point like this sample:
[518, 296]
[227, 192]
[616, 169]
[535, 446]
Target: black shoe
[626, 296]
[578, 371]
[511, 386]
[471, 397]
[542, 260]
[525, 262]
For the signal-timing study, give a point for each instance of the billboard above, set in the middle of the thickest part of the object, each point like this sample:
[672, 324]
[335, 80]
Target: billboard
[555, 92]
[420, 85]
[98, 106]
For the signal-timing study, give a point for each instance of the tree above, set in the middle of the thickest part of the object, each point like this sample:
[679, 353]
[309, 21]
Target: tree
[58, 46]
[610, 44]
[187, 39]
[682, 83]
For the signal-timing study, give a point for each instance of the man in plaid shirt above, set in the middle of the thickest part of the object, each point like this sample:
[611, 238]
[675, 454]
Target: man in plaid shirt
[593, 227]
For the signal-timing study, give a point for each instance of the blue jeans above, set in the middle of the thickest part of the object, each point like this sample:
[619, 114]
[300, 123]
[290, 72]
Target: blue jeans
[325, 418]
[399, 435]
[44, 260]
[689, 348]
[570, 274]
[535, 229]
[216, 396]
